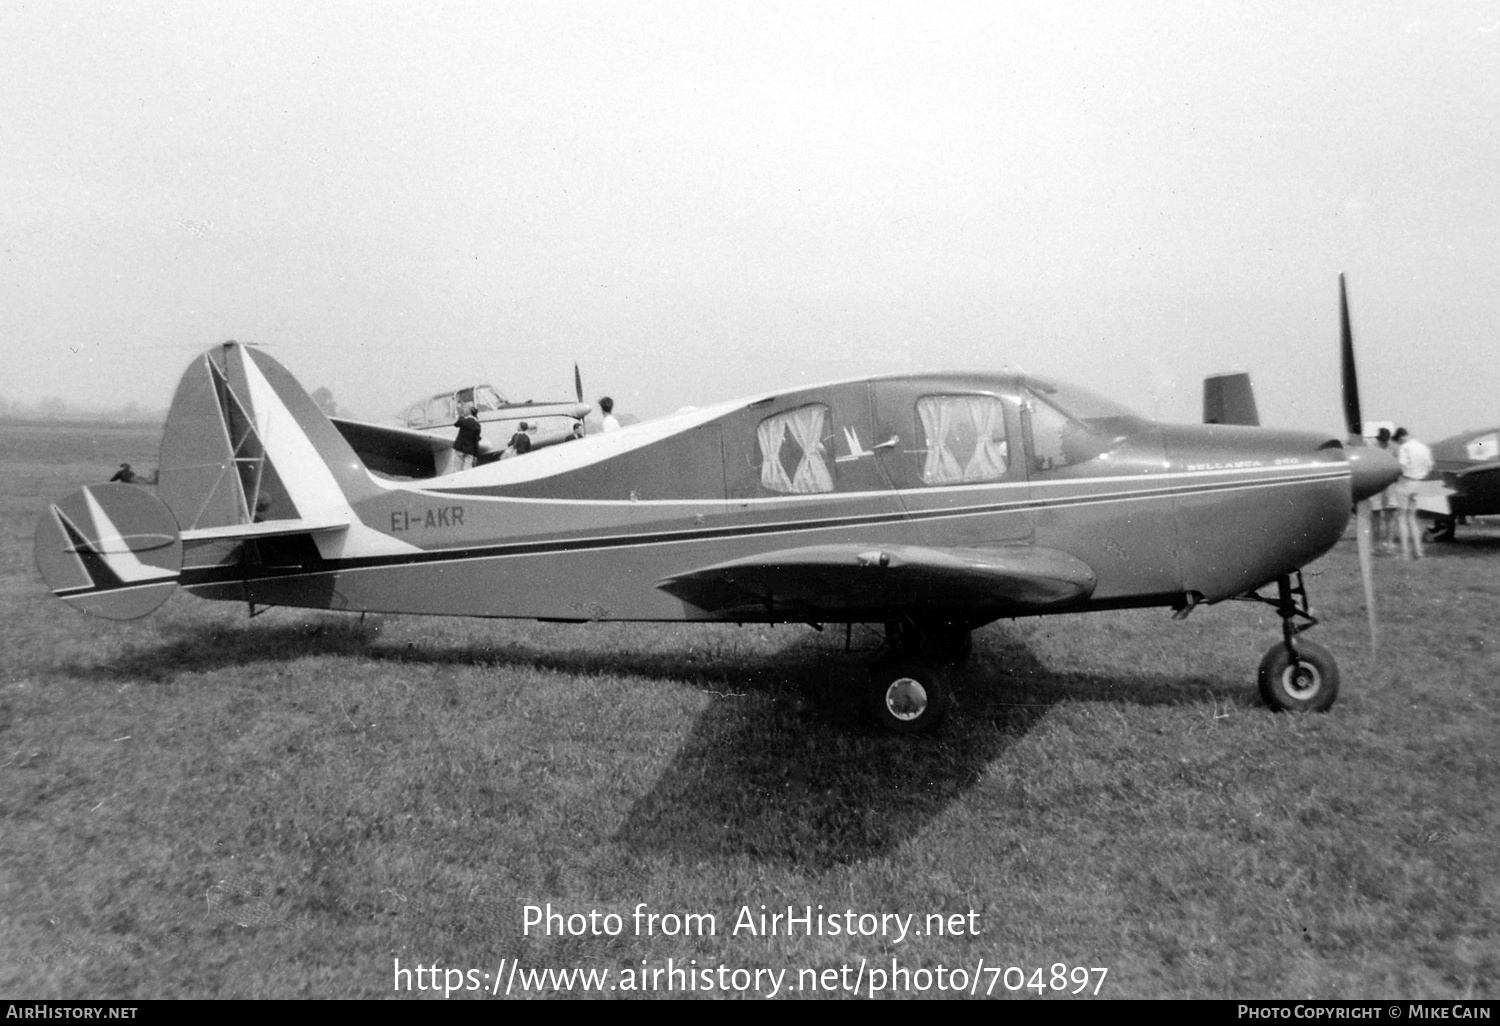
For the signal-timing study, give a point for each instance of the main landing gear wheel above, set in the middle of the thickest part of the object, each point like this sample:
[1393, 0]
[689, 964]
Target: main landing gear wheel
[907, 695]
[1308, 682]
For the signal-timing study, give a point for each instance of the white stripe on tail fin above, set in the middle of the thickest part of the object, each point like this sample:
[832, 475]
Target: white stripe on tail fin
[108, 543]
[246, 447]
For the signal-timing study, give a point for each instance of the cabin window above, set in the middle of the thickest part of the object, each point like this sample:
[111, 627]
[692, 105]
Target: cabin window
[1058, 440]
[441, 410]
[486, 398]
[963, 438]
[1485, 447]
[792, 456]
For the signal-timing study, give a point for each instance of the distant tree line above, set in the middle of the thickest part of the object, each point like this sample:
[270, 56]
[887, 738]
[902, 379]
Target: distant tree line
[56, 408]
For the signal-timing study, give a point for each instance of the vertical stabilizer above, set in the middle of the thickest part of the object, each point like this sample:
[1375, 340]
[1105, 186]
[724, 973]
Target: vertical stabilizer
[111, 550]
[1229, 399]
[245, 444]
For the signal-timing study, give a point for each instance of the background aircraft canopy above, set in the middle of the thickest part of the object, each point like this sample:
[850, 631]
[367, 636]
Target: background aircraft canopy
[442, 410]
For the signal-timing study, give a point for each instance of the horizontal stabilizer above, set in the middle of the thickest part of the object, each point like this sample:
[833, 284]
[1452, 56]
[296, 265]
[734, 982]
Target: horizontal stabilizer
[268, 529]
[871, 583]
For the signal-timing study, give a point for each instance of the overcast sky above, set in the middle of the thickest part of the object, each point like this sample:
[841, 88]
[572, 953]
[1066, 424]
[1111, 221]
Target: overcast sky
[699, 200]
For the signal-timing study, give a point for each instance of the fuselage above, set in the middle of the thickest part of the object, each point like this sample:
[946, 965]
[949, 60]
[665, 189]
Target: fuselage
[1467, 464]
[1163, 514]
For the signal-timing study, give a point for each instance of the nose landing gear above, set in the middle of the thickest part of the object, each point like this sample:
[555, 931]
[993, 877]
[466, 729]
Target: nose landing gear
[1296, 675]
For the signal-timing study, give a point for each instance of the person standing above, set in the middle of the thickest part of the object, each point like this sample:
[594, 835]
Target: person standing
[609, 423]
[1384, 504]
[469, 434]
[1416, 463]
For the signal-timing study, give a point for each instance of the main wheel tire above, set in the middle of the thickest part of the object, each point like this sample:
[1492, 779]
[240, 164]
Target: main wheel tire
[1309, 683]
[908, 696]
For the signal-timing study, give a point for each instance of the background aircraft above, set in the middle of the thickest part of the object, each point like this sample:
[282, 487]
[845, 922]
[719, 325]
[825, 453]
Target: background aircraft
[931, 504]
[1468, 465]
[547, 422]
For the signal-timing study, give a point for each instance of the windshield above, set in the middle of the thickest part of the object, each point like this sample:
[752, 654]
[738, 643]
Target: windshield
[486, 398]
[1068, 425]
[1080, 403]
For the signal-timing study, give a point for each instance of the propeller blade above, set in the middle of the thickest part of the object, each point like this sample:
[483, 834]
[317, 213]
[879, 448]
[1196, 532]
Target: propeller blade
[1370, 467]
[577, 383]
[1367, 568]
[1352, 419]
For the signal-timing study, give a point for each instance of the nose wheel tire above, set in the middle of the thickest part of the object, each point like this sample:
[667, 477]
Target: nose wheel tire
[1307, 683]
[908, 696]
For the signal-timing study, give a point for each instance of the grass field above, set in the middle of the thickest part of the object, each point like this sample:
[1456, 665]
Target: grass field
[202, 805]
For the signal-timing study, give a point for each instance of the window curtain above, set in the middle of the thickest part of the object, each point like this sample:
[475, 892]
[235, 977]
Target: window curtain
[941, 466]
[987, 416]
[952, 424]
[805, 424]
[770, 434]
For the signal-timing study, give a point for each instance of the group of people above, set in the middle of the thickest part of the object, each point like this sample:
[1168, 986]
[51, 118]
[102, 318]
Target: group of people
[471, 433]
[1398, 503]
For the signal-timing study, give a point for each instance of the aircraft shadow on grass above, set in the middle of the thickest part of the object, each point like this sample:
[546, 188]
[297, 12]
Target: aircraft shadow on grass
[808, 781]
[782, 766]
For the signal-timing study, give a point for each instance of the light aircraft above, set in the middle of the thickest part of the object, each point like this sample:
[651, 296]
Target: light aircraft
[1468, 466]
[929, 503]
[547, 422]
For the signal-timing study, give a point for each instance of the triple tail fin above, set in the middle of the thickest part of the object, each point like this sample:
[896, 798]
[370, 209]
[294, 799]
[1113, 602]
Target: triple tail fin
[111, 550]
[247, 452]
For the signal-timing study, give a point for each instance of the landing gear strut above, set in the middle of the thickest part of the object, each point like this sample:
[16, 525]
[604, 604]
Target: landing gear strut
[1296, 675]
[1443, 529]
[909, 690]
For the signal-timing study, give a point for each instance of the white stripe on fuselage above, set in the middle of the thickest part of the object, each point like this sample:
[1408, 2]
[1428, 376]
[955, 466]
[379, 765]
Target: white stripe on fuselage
[1310, 472]
[832, 519]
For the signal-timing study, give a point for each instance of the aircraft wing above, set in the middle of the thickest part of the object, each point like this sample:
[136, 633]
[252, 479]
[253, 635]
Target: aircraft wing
[1479, 469]
[1465, 490]
[1479, 487]
[409, 452]
[881, 582]
[403, 452]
